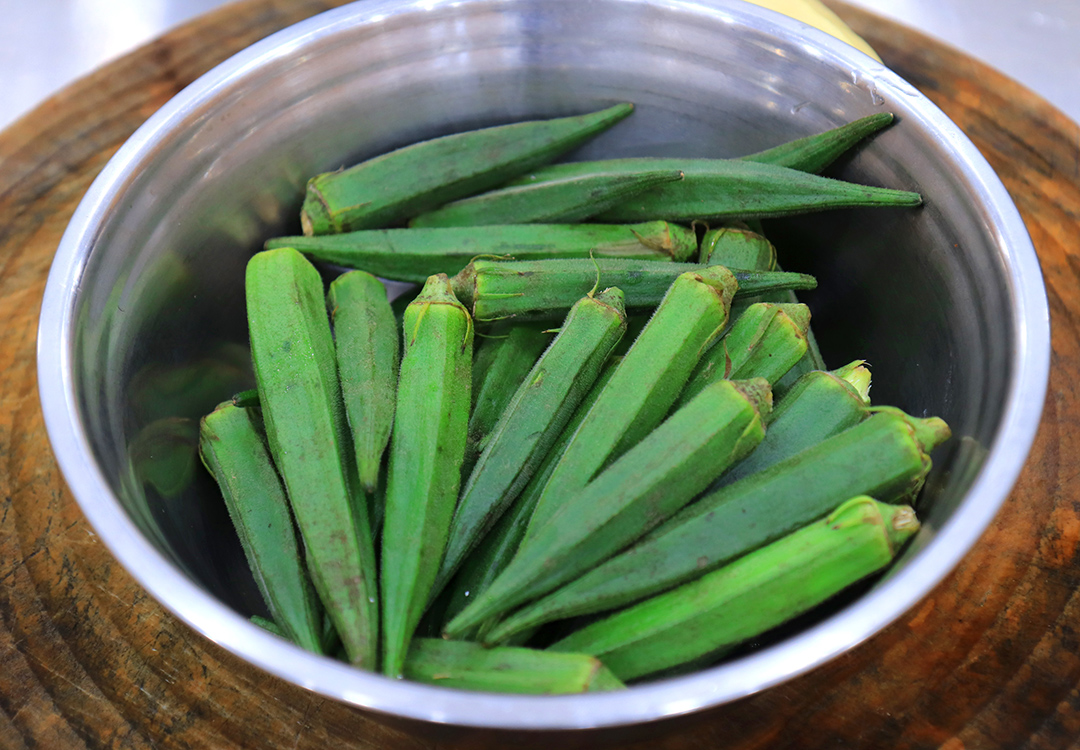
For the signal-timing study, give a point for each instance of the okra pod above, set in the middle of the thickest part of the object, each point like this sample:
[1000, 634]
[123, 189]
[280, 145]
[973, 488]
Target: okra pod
[532, 421]
[234, 450]
[750, 595]
[765, 341]
[387, 189]
[470, 666]
[736, 247]
[308, 435]
[645, 384]
[649, 483]
[720, 189]
[816, 152]
[820, 404]
[366, 344]
[496, 550]
[414, 254]
[885, 456]
[427, 449]
[546, 289]
[502, 361]
[551, 201]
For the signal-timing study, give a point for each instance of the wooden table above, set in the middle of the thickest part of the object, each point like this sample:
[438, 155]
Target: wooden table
[991, 659]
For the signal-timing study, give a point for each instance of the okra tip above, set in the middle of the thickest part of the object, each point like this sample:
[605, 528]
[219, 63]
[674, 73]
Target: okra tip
[758, 392]
[798, 313]
[901, 524]
[614, 298]
[314, 215]
[463, 284]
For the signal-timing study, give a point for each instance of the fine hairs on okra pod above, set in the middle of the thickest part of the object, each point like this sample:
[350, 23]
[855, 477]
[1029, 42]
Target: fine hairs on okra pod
[649, 483]
[307, 431]
[820, 404]
[366, 343]
[816, 152]
[719, 189]
[503, 358]
[885, 456]
[553, 202]
[469, 666]
[427, 449]
[645, 384]
[498, 547]
[751, 595]
[390, 188]
[414, 254]
[547, 289]
[764, 341]
[233, 449]
[536, 414]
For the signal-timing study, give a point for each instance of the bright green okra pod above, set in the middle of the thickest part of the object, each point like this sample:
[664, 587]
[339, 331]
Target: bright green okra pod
[737, 247]
[367, 346]
[750, 595]
[532, 421]
[764, 341]
[502, 360]
[820, 404]
[646, 382]
[649, 483]
[233, 448]
[307, 431]
[552, 201]
[427, 449]
[722, 189]
[886, 456]
[500, 545]
[816, 152]
[390, 188]
[470, 666]
[546, 289]
[414, 254]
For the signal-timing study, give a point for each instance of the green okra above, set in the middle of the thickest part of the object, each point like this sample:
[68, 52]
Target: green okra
[387, 189]
[426, 454]
[721, 189]
[550, 201]
[750, 595]
[469, 666]
[555, 201]
[736, 247]
[367, 346]
[816, 152]
[414, 254]
[645, 384]
[496, 549]
[646, 485]
[885, 456]
[307, 432]
[546, 289]
[532, 421]
[820, 404]
[233, 448]
[764, 341]
[503, 359]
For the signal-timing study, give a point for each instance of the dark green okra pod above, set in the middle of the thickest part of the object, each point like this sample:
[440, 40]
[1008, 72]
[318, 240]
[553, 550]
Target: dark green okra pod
[426, 453]
[366, 343]
[470, 666]
[750, 595]
[816, 152]
[392, 187]
[308, 435]
[232, 447]
[651, 481]
[538, 410]
[886, 456]
[547, 289]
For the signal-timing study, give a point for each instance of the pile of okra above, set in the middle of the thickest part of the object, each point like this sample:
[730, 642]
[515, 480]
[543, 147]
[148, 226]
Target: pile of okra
[596, 444]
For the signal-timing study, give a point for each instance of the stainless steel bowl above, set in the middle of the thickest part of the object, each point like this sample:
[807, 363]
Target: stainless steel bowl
[143, 326]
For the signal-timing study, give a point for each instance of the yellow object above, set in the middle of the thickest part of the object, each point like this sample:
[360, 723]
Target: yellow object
[814, 13]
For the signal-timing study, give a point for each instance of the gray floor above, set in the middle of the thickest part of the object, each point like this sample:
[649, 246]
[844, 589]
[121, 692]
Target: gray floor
[46, 44]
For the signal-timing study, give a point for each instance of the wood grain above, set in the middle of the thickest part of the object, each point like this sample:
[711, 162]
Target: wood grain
[991, 659]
